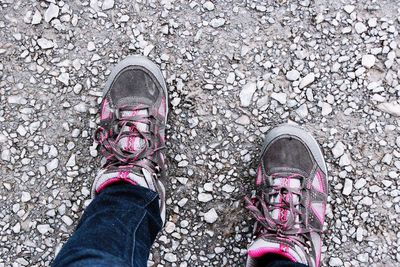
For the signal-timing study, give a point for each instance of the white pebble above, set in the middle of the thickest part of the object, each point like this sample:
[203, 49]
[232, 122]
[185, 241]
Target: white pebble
[360, 27]
[348, 187]
[211, 216]
[37, 17]
[52, 165]
[368, 61]
[307, 80]
[209, 5]
[45, 44]
[292, 75]
[25, 197]
[107, 4]
[338, 150]
[51, 12]
[280, 97]
[204, 197]
[246, 94]
[217, 22]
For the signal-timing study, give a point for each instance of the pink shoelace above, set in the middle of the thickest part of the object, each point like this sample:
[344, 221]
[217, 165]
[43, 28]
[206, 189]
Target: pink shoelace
[110, 134]
[261, 207]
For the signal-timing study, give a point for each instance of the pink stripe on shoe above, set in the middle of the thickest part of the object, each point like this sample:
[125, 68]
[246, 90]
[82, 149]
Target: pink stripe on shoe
[113, 181]
[257, 253]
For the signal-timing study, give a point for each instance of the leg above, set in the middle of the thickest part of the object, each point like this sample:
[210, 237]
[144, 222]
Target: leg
[117, 229]
[128, 209]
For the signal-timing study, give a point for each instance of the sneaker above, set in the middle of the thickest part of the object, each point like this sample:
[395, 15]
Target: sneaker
[289, 207]
[131, 134]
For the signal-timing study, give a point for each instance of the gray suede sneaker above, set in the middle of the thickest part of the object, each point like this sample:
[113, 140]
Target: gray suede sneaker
[131, 135]
[289, 207]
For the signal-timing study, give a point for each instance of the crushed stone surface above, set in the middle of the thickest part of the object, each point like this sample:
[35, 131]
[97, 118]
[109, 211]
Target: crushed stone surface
[234, 69]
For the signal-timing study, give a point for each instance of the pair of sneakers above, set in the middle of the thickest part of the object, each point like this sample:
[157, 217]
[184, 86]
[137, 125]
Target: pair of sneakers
[291, 181]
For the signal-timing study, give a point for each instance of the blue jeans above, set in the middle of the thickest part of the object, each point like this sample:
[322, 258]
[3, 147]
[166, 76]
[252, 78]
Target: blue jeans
[118, 229]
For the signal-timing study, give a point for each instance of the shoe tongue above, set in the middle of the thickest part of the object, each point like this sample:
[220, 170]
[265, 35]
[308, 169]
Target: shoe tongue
[273, 245]
[288, 181]
[133, 143]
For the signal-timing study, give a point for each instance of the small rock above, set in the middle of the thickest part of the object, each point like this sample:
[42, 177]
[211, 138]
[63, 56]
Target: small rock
[360, 27]
[52, 165]
[360, 183]
[64, 78]
[43, 228]
[326, 109]
[169, 227]
[211, 216]
[37, 17]
[280, 97]
[243, 120]
[21, 130]
[293, 75]
[25, 197]
[307, 80]
[344, 160]
[374, 189]
[368, 61]
[6, 155]
[387, 159]
[124, 18]
[302, 111]
[204, 197]
[246, 94]
[148, 49]
[338, 150]
[335, 262]
[372, 22]
[349, 8]
[71, 162]
[45, 44]
[359, 234]
[81, 107]
[348, 187]
[67, 220]
[107, 4]
[393, 108]
[209, 5]
[217, 22]
[91, 46]
[170, 257]
[231, 78]
[51, 12]
[16, 228]
[228, 188]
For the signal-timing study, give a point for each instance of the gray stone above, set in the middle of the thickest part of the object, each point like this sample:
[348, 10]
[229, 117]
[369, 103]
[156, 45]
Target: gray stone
[338, 150]
[348, 187]
[368, 61]
[360, 27]
[52, 165]
[211, 216]
[217, 22]
[45, 44]
[292, 75]
[307, 80]
[246, 94]
[51, 12]
[107, 4]
[37, 17]
[393, 108]
[280, 97]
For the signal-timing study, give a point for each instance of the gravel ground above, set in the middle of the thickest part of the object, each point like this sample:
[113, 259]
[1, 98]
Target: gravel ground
[234, 69]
